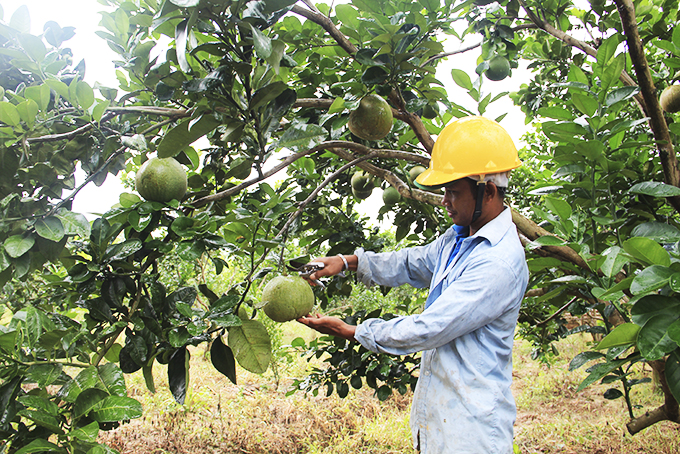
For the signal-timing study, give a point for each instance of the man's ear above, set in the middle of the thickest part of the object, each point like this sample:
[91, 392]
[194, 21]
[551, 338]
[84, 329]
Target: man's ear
[491, 190]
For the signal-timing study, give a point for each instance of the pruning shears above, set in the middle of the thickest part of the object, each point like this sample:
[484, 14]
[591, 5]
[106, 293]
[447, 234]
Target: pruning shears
[307, 269]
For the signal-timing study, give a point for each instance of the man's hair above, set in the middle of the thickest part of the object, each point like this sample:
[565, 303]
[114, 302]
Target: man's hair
[473, 188]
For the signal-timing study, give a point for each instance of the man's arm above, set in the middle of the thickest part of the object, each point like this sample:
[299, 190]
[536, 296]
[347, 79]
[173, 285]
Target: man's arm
[329, 325]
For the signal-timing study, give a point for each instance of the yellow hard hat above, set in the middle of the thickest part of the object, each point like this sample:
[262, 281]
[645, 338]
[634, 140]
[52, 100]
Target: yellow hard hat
[469, 146]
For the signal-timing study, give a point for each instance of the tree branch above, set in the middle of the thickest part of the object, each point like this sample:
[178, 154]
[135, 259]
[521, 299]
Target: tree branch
[669, 411]
[411, 119]
[669, 161]
[330, 146]
[318, 189]
[581, 45]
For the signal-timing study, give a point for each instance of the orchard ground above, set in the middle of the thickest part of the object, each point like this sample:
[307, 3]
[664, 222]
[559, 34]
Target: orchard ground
[255, 416]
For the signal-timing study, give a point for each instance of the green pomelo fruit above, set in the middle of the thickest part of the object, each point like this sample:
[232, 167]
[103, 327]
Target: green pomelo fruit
[499, 68]
[670, 99]
[161, 180]
[415, 171]
[362, 181]
[391, 196]
[362, 194]
[430, 111]
[372, 120]
[287, 298]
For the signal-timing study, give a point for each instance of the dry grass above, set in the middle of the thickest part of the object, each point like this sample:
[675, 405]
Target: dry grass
[255, 416]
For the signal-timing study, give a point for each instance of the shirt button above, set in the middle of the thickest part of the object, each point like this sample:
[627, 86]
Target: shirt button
[427, 372]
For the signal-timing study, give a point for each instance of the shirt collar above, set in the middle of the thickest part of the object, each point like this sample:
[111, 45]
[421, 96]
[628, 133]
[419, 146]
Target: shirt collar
[495, 229]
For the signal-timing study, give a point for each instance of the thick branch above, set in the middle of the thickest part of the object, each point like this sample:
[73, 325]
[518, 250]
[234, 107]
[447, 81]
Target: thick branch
[327, 25]
[532, 231]
[669, 411]
[658, 124]
[331, 146]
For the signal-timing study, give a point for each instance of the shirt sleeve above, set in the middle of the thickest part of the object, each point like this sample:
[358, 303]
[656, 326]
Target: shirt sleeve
[482, 293]
[414, 266]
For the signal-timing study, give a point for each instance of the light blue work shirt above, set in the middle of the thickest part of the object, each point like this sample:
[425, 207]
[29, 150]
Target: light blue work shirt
[462, 403]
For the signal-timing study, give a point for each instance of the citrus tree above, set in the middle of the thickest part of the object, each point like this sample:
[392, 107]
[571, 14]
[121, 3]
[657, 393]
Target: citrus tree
[254, 100]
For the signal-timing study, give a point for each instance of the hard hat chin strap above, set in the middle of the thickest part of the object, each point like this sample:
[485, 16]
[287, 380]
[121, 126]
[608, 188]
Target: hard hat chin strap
[481, 188]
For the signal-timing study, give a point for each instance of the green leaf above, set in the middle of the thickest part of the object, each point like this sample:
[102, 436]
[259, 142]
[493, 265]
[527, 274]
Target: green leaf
[84, 94]
[614, 261]
[178, 374]
[620, 94]
[607, 50]
[559, 206]
[653, 340]
[44, 374]
[40, 445]
[657, 231]
[74, 223]
[88, 433]
[622, 336]
[655, 189]
[147, 371]
[549, 240]
[185, 3]
[40, 94]
[375, 75]
[184, 134]
[60, 87]
[21, 20]
[9, 114]
[583, 358]
[50, 228]
[222, 359]
[267, 94]
[18, 245]
[127, 200]
[673, 373]
[262, 43]
[43, 419]
[251, 345]
[585, 103]
[121, 251]
[650, 279]
[181, 37]
[301, 136]
[88, 400]
[674, 331]
[33, 46]
[462, 79]
[599, 371]
[652, 305]
[647, 251]
[118, 408]
[28, 110]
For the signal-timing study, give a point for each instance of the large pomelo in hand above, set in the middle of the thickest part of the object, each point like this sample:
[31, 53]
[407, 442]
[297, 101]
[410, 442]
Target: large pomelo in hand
[287, 298]
[670, 99]
[372, 120]
[161, 180]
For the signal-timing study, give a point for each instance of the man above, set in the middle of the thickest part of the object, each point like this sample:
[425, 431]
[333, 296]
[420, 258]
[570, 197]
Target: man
[477, 276]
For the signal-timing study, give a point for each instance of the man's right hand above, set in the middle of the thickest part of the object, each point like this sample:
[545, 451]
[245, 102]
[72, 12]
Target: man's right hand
[333, 265]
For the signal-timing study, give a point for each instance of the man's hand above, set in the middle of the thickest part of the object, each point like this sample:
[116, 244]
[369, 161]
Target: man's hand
[329, 325]
[333, 265]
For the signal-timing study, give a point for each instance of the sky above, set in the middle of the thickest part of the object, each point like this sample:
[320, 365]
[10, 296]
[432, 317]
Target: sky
[84, 16]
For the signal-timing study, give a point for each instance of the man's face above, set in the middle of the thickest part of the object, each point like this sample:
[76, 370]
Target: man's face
[459, 202]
